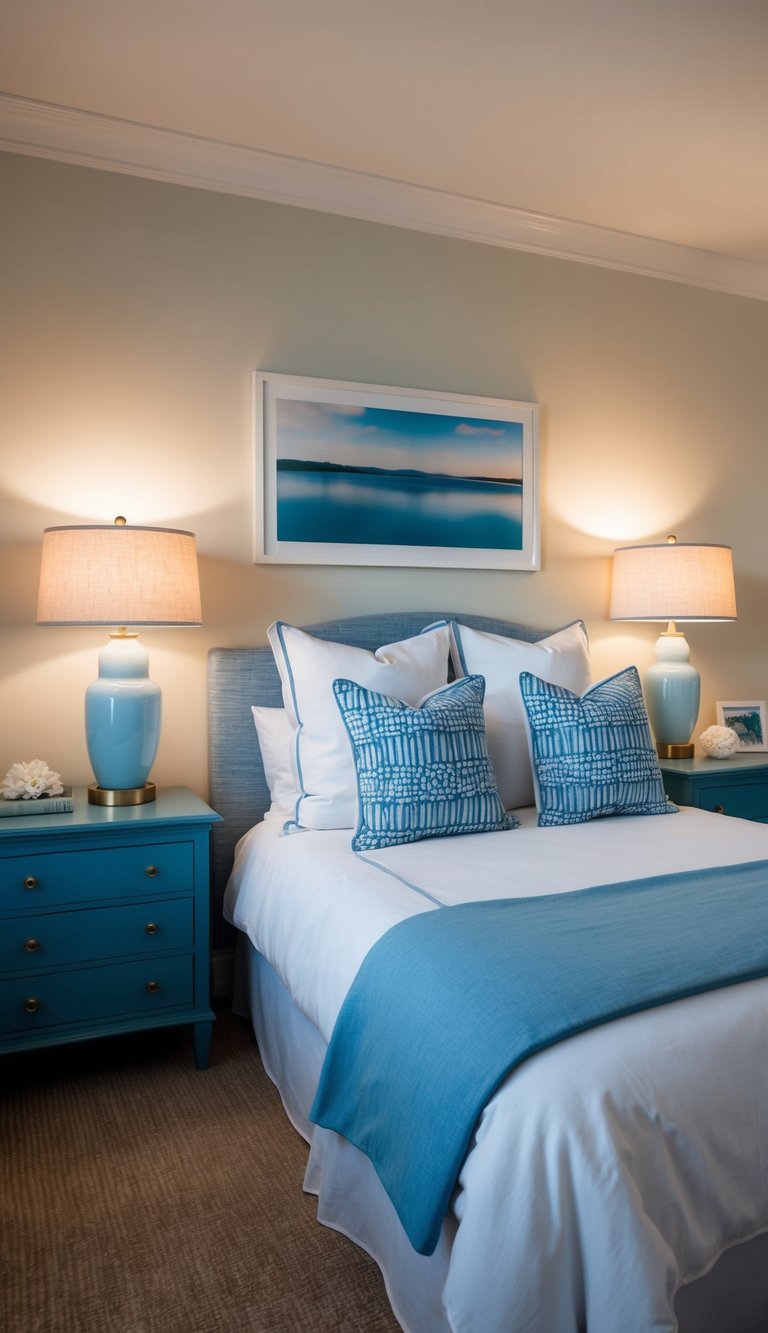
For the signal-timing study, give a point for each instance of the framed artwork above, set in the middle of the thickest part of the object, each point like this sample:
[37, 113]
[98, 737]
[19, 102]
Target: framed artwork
[367, 474]
[748, 720]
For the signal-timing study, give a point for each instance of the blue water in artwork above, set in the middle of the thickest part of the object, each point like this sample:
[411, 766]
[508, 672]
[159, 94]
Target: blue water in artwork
[398, 510]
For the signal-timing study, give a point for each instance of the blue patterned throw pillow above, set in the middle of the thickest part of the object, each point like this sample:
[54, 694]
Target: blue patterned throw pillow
[592, 754]
[421, 772]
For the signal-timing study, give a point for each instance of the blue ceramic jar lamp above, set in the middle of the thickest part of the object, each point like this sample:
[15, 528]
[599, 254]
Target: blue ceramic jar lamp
[673, 581]
[124, 576]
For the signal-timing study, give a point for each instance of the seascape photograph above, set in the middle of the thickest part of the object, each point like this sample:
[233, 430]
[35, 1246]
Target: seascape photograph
[388, 477]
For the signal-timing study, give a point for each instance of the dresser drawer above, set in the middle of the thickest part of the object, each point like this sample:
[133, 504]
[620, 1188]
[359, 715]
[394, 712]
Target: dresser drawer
[54, 939]
[747, 801]
[46, 879]
[93, 994]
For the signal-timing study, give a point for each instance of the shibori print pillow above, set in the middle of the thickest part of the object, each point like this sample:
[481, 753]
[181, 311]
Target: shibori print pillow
[422, 772]
[592, 754]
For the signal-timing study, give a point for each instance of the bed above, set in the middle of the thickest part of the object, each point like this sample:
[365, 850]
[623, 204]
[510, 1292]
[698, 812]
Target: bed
[615, 1180]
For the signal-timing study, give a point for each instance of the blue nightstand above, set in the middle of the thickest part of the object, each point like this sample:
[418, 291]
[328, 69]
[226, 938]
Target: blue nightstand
[105, 922]
[737, 786]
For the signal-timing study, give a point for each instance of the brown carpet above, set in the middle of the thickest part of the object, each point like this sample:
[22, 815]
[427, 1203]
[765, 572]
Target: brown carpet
[140, 1196]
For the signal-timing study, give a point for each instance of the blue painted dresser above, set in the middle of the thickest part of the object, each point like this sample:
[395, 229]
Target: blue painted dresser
[105, 922]
[736, 786]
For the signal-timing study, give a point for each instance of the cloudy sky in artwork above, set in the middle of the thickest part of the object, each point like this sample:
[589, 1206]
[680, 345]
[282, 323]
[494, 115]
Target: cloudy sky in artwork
[392, 438]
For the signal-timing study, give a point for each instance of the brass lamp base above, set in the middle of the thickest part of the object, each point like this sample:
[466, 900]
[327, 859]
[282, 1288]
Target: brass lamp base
[674, 751]
[127, 796]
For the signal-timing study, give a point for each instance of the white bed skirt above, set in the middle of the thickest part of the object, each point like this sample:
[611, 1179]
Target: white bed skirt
[350, 1197]
[731, 1298]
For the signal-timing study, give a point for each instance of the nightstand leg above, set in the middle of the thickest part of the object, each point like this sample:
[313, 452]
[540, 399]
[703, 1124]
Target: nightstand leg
[202, 1038]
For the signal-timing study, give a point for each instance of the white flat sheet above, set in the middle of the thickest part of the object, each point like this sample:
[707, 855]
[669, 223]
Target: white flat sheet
[612, 1167]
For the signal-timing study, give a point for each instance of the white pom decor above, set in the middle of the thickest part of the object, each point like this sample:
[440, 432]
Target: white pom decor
[25, 782]
[719, 742]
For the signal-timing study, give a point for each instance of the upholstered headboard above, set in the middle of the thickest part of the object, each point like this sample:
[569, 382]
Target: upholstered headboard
[240, 677]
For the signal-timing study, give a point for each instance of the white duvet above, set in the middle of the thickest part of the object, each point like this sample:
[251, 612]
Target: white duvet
[607, 1170]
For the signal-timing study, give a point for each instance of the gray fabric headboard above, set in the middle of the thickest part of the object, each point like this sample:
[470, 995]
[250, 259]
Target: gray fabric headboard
[240, 677]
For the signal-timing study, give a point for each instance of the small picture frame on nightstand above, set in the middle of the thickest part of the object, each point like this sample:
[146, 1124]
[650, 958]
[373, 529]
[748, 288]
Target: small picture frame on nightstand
[747, 719]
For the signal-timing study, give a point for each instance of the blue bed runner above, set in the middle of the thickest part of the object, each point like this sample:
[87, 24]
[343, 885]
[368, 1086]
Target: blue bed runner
[448, 1002]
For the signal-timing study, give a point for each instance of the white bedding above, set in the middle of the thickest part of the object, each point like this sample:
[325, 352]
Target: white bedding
[607, 1170]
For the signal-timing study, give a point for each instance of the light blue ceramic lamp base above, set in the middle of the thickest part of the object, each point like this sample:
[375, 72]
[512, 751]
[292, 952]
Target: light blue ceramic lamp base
[672, 694]
[122, 723]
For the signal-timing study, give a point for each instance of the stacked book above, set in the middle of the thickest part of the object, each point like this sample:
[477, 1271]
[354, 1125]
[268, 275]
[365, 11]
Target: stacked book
[41, 805]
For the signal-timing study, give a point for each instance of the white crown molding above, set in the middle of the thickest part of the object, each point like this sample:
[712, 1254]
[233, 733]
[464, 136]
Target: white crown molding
[42, 129]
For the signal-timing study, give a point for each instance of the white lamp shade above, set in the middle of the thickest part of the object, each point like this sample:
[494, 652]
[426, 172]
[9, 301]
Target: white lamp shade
[118, 575]
[673, 581]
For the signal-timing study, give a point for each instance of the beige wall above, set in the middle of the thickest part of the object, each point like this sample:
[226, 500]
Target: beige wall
[133, 313]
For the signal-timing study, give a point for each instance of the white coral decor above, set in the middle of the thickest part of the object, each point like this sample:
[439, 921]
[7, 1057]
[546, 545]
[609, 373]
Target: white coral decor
[719, 742]
[25, 782]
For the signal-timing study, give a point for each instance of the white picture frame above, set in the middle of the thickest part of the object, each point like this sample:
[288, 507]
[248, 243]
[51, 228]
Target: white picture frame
[442, 479]
[747, 718]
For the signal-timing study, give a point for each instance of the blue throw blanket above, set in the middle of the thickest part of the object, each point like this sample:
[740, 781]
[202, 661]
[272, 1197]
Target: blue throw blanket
[447, 1003]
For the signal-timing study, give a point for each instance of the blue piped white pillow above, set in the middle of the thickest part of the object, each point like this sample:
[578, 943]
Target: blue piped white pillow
[422, 772]
[592, 754]
[308, 666]
[562, 658]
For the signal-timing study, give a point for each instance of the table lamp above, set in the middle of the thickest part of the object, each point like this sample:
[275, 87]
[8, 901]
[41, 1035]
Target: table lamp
[673, 581]
[120, 575]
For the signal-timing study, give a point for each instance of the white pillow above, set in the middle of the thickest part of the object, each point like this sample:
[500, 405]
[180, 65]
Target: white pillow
[275, 733]
[560, 659]
[325, 767]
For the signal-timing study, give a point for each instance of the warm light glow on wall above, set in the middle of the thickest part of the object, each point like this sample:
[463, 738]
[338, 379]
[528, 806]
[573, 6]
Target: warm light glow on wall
[623, 489]
[107, 468]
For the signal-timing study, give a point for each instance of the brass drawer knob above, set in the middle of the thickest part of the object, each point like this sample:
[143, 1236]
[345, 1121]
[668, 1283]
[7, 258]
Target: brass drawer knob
[151, 928]
[31, 1005]
[719, 810]
[153, 987]
[30, 882]
[151, 871]
[31, 946]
